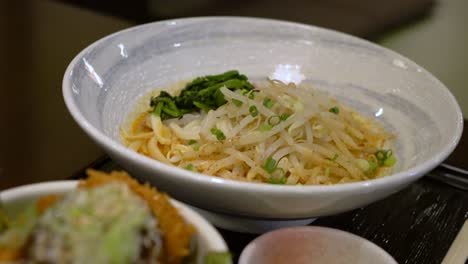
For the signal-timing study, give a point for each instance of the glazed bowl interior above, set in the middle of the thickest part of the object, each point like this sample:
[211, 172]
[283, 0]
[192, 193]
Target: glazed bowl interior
[104, 83]
[109, 79]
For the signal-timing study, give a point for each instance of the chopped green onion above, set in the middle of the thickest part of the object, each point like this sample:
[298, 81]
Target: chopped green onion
[372, 167]
[383, 155]
[190, 167]
[284, 116]
[334, 157]
[265, 127]
[267, 102]
[363, 164]
[390, 161]
[253, 111]
[281, 180]
[249, 93]
[380, 154]
[334, 110]
[218, 133]
[218, 258]
[237, 102]
[281, 171]
[194, 144]
[252, 94]
[270, 165]
[274, 120]
[327, 171]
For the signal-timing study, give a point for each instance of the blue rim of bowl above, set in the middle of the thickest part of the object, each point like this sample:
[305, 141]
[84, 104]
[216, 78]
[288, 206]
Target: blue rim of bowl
[413, 173]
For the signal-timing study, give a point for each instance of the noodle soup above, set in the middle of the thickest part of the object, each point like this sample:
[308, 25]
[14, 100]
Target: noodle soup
[267, 132]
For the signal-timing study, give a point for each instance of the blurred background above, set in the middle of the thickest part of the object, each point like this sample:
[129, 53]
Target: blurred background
[40, 141]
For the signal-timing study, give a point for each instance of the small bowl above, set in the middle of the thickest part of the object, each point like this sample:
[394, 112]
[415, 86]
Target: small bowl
[317, 245]
[208, 238]
[104, 82]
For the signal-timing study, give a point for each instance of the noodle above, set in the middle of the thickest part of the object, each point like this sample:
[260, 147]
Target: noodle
[279, 133]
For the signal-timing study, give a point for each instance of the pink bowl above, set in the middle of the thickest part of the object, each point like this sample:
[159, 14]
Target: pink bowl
[313, 245]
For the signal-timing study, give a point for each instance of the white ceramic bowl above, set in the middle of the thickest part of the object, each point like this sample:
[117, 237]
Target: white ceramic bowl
[208, 238]
[318, 245]
[103, 83]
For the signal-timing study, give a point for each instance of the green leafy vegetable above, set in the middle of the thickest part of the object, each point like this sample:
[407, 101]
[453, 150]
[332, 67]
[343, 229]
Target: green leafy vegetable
[203, 93]
[267, 102]
[218, 258]
[202, 106]
[327, 171]
[253, 111]
[270, 165]
[334, 110]
[192, 141]
[218, 134]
